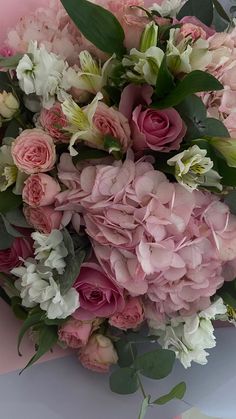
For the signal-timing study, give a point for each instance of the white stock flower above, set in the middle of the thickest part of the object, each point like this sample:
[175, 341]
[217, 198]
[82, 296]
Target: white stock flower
[168, 7]
[43, 73]
[194, 169]
[81, 122]
[189, 337]
[50, 250]
[143, 66]
[37, 286]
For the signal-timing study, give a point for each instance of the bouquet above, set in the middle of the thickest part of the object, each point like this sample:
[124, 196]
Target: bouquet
[117, 177]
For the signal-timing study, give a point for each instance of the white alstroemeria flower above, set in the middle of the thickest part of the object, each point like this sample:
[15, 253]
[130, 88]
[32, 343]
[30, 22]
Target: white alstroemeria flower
[8, 170]
[37, 287]
[194, 169]
[149, 37]
[81, 122]
[43, 73]
[91, 76]
[184, 55]
[143, 66]
[189, 337]
[168, 7]
[50, 250]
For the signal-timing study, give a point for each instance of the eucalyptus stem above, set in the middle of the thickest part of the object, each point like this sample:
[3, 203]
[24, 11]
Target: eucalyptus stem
[138, 376]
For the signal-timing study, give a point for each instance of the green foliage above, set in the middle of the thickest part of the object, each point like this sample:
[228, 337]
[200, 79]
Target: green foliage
[144, 407]
[113, 146]
[10, 63]
[87, 153]
[202, 9]
[124, 381]
[18, 309]
[6, 239]
[97, 24]
[156, 364]
[194, 82]
[177, 392]
[221, 11]
[16, 218]
[4, 296]
[71, 273]
[33, 319]
[228, 293]
[127, 352]
[165, 81]
[9, 201]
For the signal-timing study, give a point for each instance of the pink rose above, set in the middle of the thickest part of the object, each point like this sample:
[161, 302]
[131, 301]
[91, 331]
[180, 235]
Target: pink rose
[196, 32]
[159, 130]
[34, 151]
[54, 122]
[99, 296]
[43, 219]
[76, 333]
[130, 317]
[111, 122]
[195, 21]
[40, 190]
[99, 354]
[10, 258]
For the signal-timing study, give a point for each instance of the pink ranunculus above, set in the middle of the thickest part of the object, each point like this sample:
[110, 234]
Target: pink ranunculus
[40, 190]
[195, 21]
[43, 219]
[195, 32]
[33, 151]
[130, 317]
[159, 130]
[76, 333]
[99, 296]
[99, 354]
[54, 122]
[11, 258]
[109, 121]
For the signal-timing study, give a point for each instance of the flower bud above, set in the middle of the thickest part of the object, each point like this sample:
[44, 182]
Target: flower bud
[8, 105]
[149, 37]
[227, 147]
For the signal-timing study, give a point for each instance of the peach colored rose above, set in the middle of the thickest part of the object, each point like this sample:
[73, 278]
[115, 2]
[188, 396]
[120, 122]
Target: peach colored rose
[40, 190]
[76, 333]
[54, 122]
[22, 248]
[130, 317]
[43, 219]
[33, 151]
[109, 121]
[99, 354]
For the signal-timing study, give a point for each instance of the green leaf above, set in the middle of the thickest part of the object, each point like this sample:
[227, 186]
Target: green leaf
[9, 201]
[32, 320]
[124, 381]
[194, 82]
[12, 130]
[6, 239]
[18, 310]
[230, 200]
[177, 392]
[47, 339]
[16, 218]
[113, 146]
[4, 81]
[156, 364]
[215, 128]
[144, 407]
[10, 63]
[68, 242]
[10, 229]
[4, 296]
[228, 173]
[98, 25]
[165, 81]
[126, 351]
[73, 265]
[221, 11]
[218, 23]
[202, 9]
[194, 113]
[87, 153]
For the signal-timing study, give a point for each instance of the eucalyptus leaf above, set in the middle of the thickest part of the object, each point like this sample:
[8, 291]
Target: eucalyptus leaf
[97, 24]
[202, 9]
[194, 82]
[4, 81]
[12, 129]
[144, 407]
[87, 153]
[68, 242]
[6, 239]
[9, 201]
[124, 381]
[16, 218]
[126, 351]
[156, 364]
[32, 320]
[18, 309]
[73, 265]
[215, 128]
[177, 392]
[10, 63]
[10, 229]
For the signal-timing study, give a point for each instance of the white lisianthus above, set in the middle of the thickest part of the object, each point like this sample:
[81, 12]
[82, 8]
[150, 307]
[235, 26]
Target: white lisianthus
[194, 169]
[91, 76]
[143, 66]
[81, 122]
[8, 170]
[168, 7]
[50, 250]
[189, 337]
[184, 55]
[43, 73]
[37, 286]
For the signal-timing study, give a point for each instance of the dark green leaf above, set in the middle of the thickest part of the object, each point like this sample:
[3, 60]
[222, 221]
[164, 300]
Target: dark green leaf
[18, 310]
[87, 153]
[113, 146]
[177, 392]
[6, 239]
[32, 320]
[228, 173]
[4, 81]
[230, 200]
[202, 9]
[194, 82]
[10, 229]
[126, 351]
[144, 407]
[73, 265]
[218, 23]
[133, 337]
[165, 81]
[10, 63]
[221, 11]
[215, 128]
[194, 113]
[124, 381]
[12, 130]
[98, 25]
[54, 322]
[47, 339]
[4, 296]
[9, 201]
[16, 218]
[68, 242]
[156, 364]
